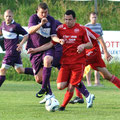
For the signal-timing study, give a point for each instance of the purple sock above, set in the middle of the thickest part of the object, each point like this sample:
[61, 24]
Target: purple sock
[29, 71]
[49, 88]
[45, 77]
[2, 79]
[83, 89]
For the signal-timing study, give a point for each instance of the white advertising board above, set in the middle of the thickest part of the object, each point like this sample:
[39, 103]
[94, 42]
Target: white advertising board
[112, 40]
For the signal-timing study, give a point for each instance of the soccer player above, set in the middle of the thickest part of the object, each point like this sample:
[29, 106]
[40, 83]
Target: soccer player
[94, 59]
[42, 28]
[73, 58]
[97, 28]
[10, 31]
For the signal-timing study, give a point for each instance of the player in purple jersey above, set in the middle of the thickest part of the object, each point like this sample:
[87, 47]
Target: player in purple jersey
[10, 31]
[42, 29]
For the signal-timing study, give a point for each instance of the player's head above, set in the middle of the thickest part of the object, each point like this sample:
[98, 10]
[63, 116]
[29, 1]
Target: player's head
[70, 18]
[93, 17]
[42, 10]
[8, 16]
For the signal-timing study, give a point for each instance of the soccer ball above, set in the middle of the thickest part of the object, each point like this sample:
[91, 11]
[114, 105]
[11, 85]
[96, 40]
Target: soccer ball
[52, 105]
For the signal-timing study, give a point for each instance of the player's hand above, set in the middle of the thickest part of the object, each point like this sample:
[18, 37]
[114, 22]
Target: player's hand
[44, 21]
[108, 57]
[80, 48]
[62, 41]
[19, 47]
[31, 51]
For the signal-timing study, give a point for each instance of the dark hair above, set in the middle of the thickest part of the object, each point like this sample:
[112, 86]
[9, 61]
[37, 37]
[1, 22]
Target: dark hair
[70, 12]
[93, 13]
[43, 5]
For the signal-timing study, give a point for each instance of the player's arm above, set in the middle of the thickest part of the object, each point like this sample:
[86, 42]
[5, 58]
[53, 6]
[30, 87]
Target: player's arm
[108, 57]
[56, 39]
[87, 42]
[81, 47]
[34, 28]
[19, 46]
[41, 48]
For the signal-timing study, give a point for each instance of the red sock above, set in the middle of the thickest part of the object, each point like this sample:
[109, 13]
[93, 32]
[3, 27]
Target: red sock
[78, 93]
[115, 81]
[67, 97]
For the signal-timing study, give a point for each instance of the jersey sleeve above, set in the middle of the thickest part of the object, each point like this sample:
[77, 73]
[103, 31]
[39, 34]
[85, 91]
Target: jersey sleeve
[86, 36]
[21, 30]
[53, 27]
[32, 21]
[92, 34]
[58, 29]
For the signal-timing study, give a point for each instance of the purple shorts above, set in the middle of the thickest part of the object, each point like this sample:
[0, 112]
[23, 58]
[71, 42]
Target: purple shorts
[12, 60]
[37, 59]
[57, 56]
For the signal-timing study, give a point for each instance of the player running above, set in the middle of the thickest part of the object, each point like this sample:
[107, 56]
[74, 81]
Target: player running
[73, 58]
[42, 28]
[10, 31]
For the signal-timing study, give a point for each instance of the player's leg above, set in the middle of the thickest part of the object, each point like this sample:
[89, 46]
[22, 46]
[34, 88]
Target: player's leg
[78, 98]
[38, 76]
[77, 72]
[67, 97]
[88, 78]
[19, 66]
[63, 77]
[46, 76]
[89, 97]
[19, 69]
[57, 56]
[3, 70]
[108, 76]
[97, 78]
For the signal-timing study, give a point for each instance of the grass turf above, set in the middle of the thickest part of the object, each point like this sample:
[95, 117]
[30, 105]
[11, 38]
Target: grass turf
[18, 102]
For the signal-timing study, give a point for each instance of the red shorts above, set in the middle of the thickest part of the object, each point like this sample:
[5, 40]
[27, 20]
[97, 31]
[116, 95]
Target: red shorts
[95, 59]
[72, 74]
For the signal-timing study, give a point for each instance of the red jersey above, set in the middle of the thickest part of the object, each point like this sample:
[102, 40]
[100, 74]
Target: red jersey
[93, 36]
[73, 38]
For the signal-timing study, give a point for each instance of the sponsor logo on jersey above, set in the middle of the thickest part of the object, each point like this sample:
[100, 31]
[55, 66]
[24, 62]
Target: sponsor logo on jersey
[48, 24]
[11, 29]
[76, 30]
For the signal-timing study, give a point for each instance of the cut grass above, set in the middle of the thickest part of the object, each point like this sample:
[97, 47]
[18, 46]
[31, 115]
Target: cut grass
[18, 102]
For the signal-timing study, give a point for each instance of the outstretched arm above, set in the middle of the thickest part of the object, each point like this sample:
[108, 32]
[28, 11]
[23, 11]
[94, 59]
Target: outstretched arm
[108, 57]
[41, 48]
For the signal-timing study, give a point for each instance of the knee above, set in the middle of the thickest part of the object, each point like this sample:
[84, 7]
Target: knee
[47, 61]
[61, 86]
[2, 71]
[20, 72]
[38, 79]
[71, 89]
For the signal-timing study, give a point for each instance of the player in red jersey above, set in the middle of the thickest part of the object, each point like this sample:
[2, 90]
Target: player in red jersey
[94, 59]
[73, 59]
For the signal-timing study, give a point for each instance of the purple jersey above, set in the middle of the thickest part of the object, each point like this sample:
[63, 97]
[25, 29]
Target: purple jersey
[43, 35]
[11, 37]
